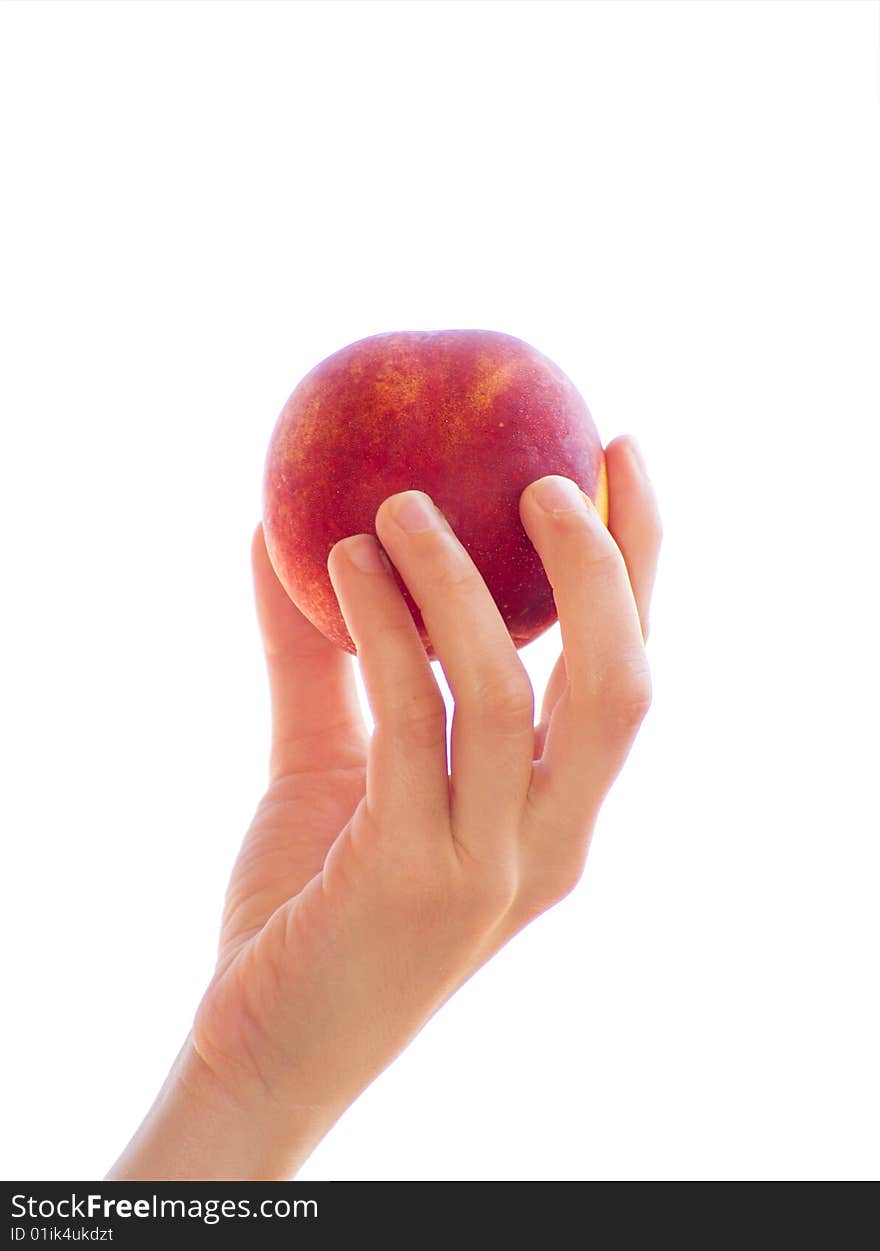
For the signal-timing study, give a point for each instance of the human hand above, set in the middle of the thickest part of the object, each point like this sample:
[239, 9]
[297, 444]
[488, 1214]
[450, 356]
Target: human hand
[376, 875]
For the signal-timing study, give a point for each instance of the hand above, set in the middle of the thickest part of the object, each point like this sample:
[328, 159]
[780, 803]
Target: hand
[374, 879]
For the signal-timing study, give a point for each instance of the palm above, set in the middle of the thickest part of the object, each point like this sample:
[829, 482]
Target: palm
[297, 821]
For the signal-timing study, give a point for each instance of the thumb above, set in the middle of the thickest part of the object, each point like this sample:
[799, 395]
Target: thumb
[316, 717]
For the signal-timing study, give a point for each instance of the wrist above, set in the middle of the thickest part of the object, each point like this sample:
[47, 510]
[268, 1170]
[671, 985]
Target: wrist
[200, 1129]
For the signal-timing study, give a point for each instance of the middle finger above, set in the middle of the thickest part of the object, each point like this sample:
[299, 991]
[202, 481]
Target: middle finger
[493, 723]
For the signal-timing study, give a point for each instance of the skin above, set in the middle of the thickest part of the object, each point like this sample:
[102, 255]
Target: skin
[377, 876]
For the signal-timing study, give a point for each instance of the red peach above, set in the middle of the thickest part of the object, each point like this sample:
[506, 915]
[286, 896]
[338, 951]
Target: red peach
[469, 416]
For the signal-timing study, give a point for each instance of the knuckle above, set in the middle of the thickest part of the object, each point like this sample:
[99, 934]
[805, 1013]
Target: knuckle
[455, 576]
[555, 863]
[421, 721]
[549, 890]
[603, 566]
[506, 702]
[397, 631]
[422, 901]
[628, 696]
[490, 895]
[415, 882]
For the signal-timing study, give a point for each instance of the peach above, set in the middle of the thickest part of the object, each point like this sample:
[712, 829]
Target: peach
[469, 416]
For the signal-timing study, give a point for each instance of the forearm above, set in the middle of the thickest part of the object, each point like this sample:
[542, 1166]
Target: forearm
[196, 1130]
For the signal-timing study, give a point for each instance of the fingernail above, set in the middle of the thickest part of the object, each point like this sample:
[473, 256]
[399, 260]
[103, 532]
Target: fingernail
[414, 512]
[363, 551]
[560, 495]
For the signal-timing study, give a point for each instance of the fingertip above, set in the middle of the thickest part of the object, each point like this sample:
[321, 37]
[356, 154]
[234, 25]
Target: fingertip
[632, 498]
[529, 512]
[558, 499]
[634, 519]
[384, 522]
[334, 556]
[338, 565]
[389, 505]
[360, 550]
[411, 512]
[620, 444]
[624, 459]
[285, 630]
[528, 496]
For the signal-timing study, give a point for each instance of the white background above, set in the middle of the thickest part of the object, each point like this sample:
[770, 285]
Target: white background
[676, 202]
